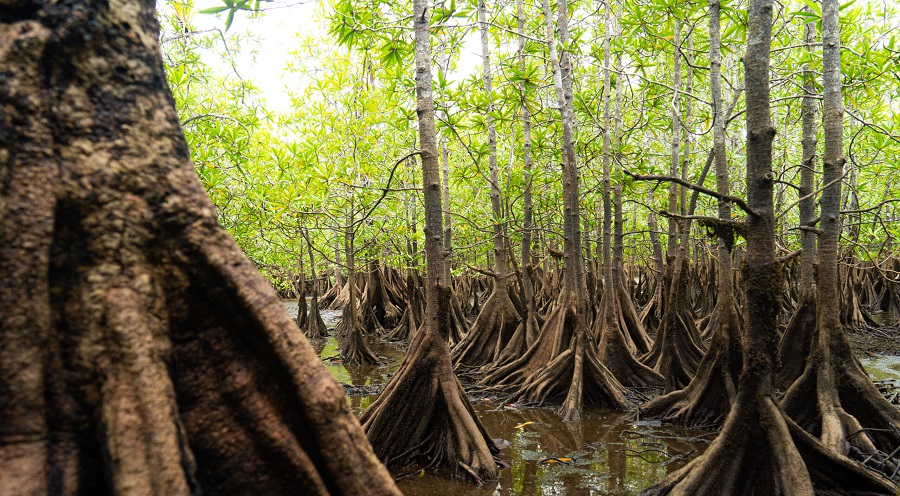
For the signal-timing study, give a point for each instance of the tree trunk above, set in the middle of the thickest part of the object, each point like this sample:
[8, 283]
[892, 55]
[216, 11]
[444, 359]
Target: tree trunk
[498, 319]
[834, 398]
[315, 326]
[801, 329]
[575, 376]
[141, 352]
[672, 245]
[760, 450]
[448, 238]
[423, 416]
[616, 344]
[709, 396]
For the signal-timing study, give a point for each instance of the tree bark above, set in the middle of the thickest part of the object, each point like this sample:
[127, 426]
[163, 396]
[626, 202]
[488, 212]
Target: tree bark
[834, 398]
[141, 352]
[760, 450]
[497, 322]
[801, 329]
[710, 395]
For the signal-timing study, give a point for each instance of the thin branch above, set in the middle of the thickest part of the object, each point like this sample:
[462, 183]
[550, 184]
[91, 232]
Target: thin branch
[687, 184]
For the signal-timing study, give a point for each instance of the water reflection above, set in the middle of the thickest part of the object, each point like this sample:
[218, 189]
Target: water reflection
[603, 454]
[882, 367]
[610, 454]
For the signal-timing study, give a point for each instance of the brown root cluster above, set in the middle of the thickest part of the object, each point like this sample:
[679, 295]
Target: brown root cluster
[436, 428]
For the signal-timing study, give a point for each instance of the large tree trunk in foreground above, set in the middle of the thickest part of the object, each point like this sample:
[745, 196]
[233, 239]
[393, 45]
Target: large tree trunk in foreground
[423, 417]
[760, 450]
[140, 350]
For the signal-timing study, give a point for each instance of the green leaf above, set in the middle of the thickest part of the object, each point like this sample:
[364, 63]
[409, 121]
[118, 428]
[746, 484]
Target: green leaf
[229, 19]
[213, 10]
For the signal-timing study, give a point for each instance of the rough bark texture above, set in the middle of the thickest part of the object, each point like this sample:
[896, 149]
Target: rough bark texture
[141, 352]
[710, 395]
[799, 334]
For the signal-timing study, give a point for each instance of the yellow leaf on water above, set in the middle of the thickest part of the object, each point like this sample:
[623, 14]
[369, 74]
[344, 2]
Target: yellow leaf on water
[523, 424]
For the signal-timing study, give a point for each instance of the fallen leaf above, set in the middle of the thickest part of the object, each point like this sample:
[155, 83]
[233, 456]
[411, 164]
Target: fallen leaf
[523, 424]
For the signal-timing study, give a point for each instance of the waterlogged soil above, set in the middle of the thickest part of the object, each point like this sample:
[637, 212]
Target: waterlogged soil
[605, 453]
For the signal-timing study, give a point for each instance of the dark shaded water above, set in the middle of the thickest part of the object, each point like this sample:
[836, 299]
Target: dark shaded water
[611, 453]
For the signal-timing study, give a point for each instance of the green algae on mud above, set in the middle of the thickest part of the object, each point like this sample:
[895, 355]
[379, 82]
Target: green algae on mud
[882, 367]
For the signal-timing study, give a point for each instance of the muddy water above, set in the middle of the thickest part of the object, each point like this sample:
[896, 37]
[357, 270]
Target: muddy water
[610, 454]
[604, 453]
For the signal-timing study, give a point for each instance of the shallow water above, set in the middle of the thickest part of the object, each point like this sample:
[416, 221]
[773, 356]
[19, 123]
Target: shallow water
[882, 367]
[610, 452]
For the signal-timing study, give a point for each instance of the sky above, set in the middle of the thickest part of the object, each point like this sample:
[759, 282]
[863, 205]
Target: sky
[276, 31]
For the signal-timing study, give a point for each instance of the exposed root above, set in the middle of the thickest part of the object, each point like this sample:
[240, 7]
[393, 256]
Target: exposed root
[796, 342]
[423, 417]
[613, 351]
[632, 324]
[354, 350]
[554, 338]
[835, 400]
[141, 352]
[376, 299]
[489, 334]
[675, 353]
[711, 394]
[759, 451]
[315, 326]
[573, 378]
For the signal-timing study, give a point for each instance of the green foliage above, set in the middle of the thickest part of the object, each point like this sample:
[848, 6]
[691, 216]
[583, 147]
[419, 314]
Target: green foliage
[322, 164]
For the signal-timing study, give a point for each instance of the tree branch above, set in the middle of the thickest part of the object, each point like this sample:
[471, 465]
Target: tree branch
[687, 184]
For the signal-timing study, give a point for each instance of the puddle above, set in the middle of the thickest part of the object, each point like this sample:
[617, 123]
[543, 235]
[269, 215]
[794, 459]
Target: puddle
[882, 367]
[610, 455]
[362, 375]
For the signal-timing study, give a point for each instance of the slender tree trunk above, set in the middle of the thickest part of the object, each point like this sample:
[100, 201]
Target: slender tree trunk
[437, 428]
[709, 396]
[797, 339]
[338, 278]
[527, 207]
[760, 450]
[834, 397]
[498, 319]
[448, 239]
[676, 142]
